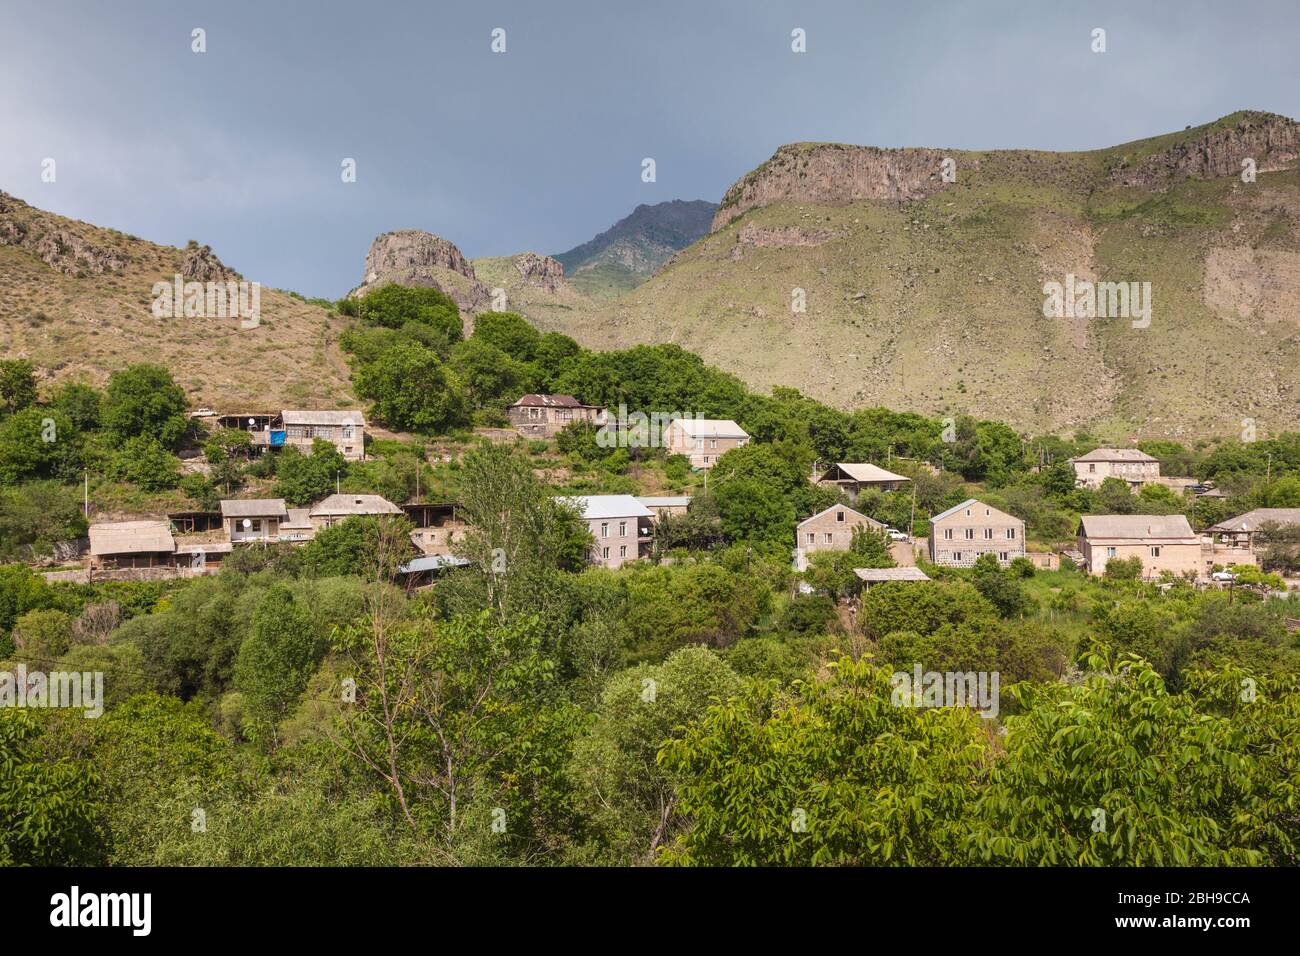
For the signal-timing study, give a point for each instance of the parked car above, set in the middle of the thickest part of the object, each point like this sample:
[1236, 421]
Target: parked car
[1223, 576]
[895, 534]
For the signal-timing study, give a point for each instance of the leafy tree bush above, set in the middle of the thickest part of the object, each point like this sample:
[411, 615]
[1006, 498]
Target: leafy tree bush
[143, 401]
[413, 391]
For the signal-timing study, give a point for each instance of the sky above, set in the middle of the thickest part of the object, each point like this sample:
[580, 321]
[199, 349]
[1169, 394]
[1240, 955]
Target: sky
[541, 147]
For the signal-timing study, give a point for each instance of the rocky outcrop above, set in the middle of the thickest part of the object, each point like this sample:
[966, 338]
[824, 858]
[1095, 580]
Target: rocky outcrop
[201, 265]
[57, 247]
[752, 235]
[832, 173]
[419, 259]
[541, 272]
[1272, 141]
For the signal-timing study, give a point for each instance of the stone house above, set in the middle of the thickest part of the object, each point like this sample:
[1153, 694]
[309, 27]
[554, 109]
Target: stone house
[345, 429]
[703, 440]
[619, 524]
[1240, 532]
[663, 505]
[545, 416]
[961, 534]
[336, 508]
[1162, 542]
[132, 544]
[1127, 464]
[829, 530]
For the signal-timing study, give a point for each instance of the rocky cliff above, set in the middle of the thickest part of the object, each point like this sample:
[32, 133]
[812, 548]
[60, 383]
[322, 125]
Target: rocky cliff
[415, 258]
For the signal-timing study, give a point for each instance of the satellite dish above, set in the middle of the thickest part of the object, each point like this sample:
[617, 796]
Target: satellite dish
[252, 421]
[247, 524]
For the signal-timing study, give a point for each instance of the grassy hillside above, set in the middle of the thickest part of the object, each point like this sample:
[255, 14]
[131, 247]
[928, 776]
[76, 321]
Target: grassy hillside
[66, 315]
[935, 304]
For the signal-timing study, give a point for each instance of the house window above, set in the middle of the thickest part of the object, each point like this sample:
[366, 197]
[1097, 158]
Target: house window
[967, 512]
[1155, 552]
[707, 459]
[257, 524]
[604, 553]
[535, 414]
[1092, 468]
[565, 415]
[622, 529]
[622, 551]
[1110, 552]
[827, 538]
[604, 529]
[970, 534]
[987, 512]
[839, 516]
[812, 537]
[956, 555]
[947, 534]
[713, 443]
[1011, 534]
[1003, 556]
[699, 443]
[347, 432]
[988, 533]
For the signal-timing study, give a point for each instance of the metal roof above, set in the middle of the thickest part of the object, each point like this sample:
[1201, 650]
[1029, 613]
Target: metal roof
[323, 418]
[665, 501]
[431, 562]
[1252, 520]
[131, 537]
[711, 428]
[875, 575]
[864, 471]
[253, 508]
[870, 521]
[971, 503]
[1138, 528]
[551, 401]
[1115, 454]
[355, 505]
[596, 507]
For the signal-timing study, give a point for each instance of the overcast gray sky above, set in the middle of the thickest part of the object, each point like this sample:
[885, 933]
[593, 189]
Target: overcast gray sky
[540, 148]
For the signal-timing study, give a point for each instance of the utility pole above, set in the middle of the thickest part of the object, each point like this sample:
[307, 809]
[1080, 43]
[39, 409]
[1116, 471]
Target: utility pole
[85, 494]
[336, 481]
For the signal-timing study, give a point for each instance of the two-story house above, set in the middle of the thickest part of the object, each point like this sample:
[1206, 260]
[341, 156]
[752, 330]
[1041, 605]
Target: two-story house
[829, 530]
[619, 524]
[545, 416]
[1127, 464]
[703, 440]
[1163, 542]
[961, 534]
[345, 429]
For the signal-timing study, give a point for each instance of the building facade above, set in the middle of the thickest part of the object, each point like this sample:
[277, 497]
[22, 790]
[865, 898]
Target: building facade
[346, 430]
[620, 527]
[703, 440]
[854, 477]
[829, 530]
[960, 535]
[1127, 464]
[545, 416]
[1162, 542]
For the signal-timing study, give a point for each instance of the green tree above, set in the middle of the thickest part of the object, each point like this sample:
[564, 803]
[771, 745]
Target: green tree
[509, 332]
[143, 401]
[144, 461]
[394, 306]
[302, 479]
[17, 384]
[412, 390]
[275, 663]
[81, 404]
[38, 443]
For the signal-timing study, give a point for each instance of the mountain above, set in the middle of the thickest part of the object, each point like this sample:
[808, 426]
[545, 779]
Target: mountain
[927, 294]
[629, 252]
[78, 301]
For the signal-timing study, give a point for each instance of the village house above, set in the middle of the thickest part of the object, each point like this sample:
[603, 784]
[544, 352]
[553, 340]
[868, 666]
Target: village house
[961, 534]
[1162, 542]
[436, 527]
[829, 530]
[619, 524]
[545, 416]
[703, 440]
[132, 544]
[664, 505]
[1240, 531]
[853, 477]
[1127, 464]
[345, 429]
[253, 520]
[337, 508]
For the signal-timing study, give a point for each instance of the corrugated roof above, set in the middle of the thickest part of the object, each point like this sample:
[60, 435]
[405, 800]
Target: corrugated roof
[355, 505]
[711, 428]
[1115, 454]
[595, 507]
[432, 562]
[252, 508]
[1138, 528]
[865, 471]
[665, 501]
[551, 401]
[301, 417]
[874, 575]
[1252, 520]
[971, 503]
[131, 537]
[297, 518]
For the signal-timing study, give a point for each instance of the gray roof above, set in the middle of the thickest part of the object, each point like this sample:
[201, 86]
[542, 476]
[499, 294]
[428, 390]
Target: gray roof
[871, 521]
[131, 537]
[355, 505]
[711, 428]
[432, 562]
[595, 507]
[297, 518]
[551, 401]
[301, 417]
[875, 575]
[665, 501]
[970, 503]
[1115, 454]
[1252, 520]
[253, 508]
[1138, 528]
